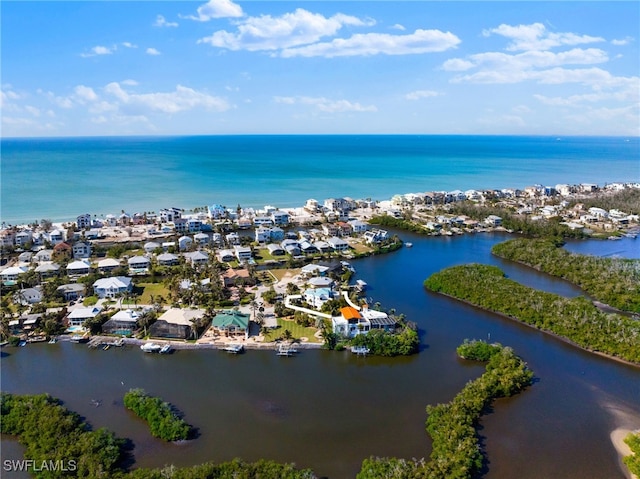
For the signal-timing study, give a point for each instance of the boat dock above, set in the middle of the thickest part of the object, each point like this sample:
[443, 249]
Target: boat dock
[360, 350]
[104, 343]
[233, 348]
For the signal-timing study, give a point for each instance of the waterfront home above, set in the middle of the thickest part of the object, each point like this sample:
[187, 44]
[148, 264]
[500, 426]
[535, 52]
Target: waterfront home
[25, 258]
[242, 253]
[378, 319]
[598, 212]
[321, 282]
[216, 239]
[139, 265]
[28, 296]
[194, 225]
[112, 287]
[81, 250]
[231, 324]
[151, 247]
[311, 269]
[197, 258]
[216, 212]
[262, 235]
[262, 221]
[78, 316]
[170, 214]
[275, 249]
[7, 237]
[358, 227]
[307, 248]
[167, 259]
[47, 270]
[83, 221]
[225, 255]
[107, 265]
[78, 268]
[124, 323]
[322, 246]
[493, 220]
[280, 218]
[233, 239]
[176, 323]
[350, 323]
[168, 245]
[338, 244]
[71, 292]
[375, 235]
[330, 229]
[180, 225]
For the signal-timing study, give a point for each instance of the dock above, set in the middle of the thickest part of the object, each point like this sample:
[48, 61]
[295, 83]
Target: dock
[285, 350]
[360, 350]
[104, 343]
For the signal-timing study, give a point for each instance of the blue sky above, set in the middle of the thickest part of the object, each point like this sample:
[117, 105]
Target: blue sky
[180, 68]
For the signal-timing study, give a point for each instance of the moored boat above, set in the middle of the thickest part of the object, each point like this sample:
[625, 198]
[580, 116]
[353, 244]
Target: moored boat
[166, 349]
[234, 348]
[151, 348]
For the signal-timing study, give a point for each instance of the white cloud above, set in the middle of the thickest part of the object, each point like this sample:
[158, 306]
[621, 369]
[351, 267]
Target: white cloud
[536, 37]
[622, 41]
[129, 82]
[84, 93]
[291, 29]
[326, 105]
[129, 45]
[152, 51]
[421, 41]
[162, 22]
[397, 26]
[216, 9]
[418, 94]
[99, 50]
[182, 99]
[33, 110]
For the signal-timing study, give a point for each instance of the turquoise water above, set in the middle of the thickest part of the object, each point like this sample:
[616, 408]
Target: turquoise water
[61, 178]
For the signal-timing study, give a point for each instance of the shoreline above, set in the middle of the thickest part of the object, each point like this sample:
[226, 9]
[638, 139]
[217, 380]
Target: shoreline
[617, 439]
[545, 331]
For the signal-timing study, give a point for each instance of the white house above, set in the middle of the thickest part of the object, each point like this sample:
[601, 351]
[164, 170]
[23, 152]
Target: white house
[23, 237]
[197, 257]
[107, 265]
[493, 220]
[78, 268]
[243, 253]
[139, 264]
[184, 242]
[71, 292]
[43, 255]
[167, 259]
[47, 270]
[358, 226]
[338, 244]
[201, 239]
[83, 221]
[225, 255]
[112, 287]
[151, 246]
[29, 296]
[78, 316]
[317, 297]
[280, 218]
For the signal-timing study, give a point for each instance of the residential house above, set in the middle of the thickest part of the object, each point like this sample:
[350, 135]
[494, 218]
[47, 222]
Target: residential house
[338, 244]
[350, 323]
[320, 282]
[375, 235]
[176, 323]
[280, 218]
[83, 221]
[184, 243]
[311, 270]
[358, 227]
[22, 238]
[55, 236]
[216, 212]
[169, 215]
[78, 268]
[151, 246]
[28, 296]
[322, 246]
[202, 239]
[62, 250]
[43, 255]
[194, 225]
[139, 265]
[7, 237]
[317, 297]
[197, 258]
[81, 250]
[307, 247]
[123, 323]
[233, 239]
[107, 265]
[47, 270]
[378, 319]
[71, 292]
[180, 225]
[262, 221]
[242, 253]
[225, 255]
[112, 287]
[233, 277]
[493, 220]
[78, 316]
[25, 258]
[275, 249]
[231, 324]
[167, 259]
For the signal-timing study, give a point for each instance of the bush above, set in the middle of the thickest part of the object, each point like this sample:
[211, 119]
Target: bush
[163, 422]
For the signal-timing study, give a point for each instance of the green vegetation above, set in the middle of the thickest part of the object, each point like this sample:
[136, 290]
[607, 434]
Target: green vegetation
[574, 319]
[477, 350]
[297, 331]
[163, 421]
[51, 433]
[633, 461]
[614, 281]
[399, 223]
[456, 453]
[235, 469]
[627, 200]
[383, 343]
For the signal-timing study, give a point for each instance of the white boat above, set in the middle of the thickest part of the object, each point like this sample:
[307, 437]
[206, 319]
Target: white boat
[166, 349]
[53, 340]
[234, 348]
[78, 338]
[151, 348]
[286, 350]
[408, 245]
[360, 350]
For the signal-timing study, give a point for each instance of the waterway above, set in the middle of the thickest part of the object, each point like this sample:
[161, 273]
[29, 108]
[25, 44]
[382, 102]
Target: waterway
[330, 410]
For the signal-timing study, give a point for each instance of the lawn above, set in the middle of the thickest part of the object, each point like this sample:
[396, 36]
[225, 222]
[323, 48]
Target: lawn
[151, 289]
[281, 273]
[296, 330]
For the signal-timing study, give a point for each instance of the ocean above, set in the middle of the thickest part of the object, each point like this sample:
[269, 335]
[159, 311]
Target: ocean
[61, 178]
